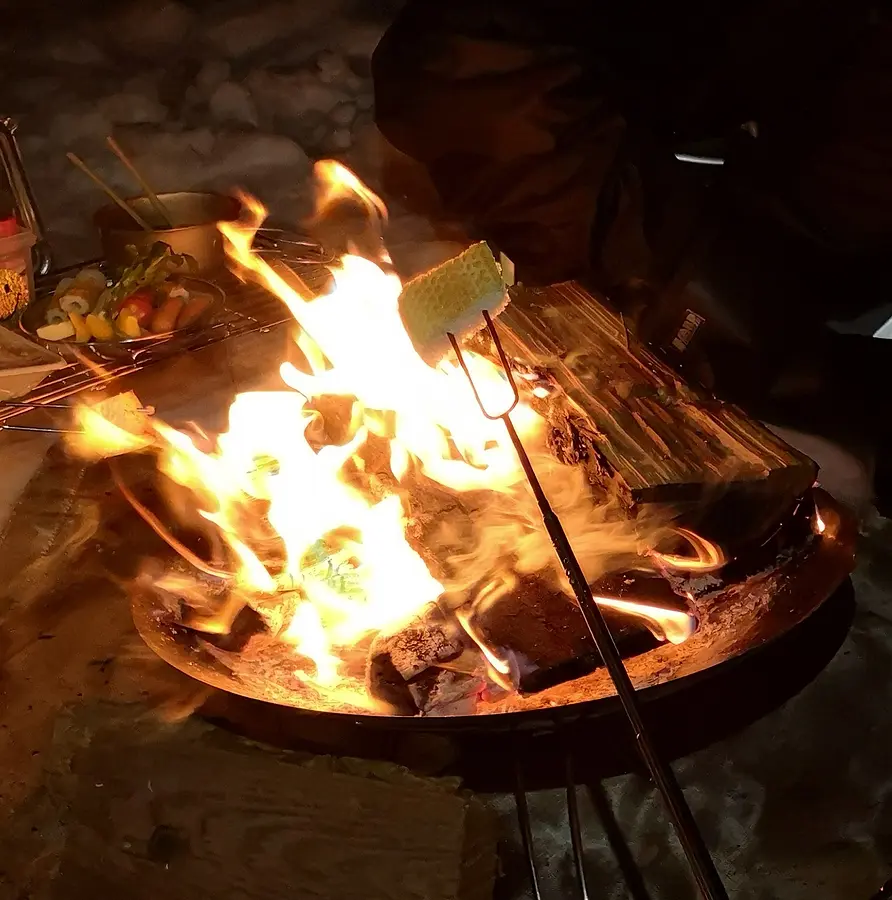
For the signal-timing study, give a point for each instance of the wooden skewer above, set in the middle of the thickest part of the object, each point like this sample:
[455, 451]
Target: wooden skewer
[77, 161]
[153, 197]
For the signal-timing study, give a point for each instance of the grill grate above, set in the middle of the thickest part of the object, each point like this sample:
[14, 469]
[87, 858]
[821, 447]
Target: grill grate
[248, 308]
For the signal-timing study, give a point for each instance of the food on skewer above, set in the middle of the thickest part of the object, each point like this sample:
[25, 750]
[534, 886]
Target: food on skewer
[451, 299]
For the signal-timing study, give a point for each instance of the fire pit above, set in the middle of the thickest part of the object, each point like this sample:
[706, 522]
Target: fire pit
[364, 546]
[366, 543]
[731, 622]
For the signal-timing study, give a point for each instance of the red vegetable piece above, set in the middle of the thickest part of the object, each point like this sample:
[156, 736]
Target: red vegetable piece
[140, 304]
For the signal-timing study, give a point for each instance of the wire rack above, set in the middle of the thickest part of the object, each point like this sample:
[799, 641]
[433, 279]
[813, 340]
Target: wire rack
[250, 308]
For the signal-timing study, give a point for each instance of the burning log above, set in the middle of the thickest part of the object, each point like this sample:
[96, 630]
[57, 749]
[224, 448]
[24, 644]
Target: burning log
[428, 640]
[442, 692]
[540, 634]
[396, 659]
[642, 433]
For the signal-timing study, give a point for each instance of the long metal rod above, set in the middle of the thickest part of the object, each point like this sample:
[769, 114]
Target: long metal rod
[575, 826]
[699, 859]
[626, 862]
[526, 828]
[701, 864]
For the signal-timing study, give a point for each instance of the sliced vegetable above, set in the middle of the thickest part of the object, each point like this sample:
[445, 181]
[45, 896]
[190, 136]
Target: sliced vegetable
[84, 292]
[100, 327]
[165, 318]
[92, 276]
[194, 309]
[55, 314]
[61, 287]
[147, 271]
[81, 331]
[128, 324]
[58, 331]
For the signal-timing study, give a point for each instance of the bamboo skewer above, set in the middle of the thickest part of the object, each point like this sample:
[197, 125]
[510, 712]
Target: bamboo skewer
[131, 168]
[77, 161]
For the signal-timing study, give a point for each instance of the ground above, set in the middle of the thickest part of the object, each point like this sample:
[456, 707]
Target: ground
[797, 806]
[202, 94]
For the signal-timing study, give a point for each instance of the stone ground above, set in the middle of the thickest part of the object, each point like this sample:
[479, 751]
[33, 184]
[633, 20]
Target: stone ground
[226, 92]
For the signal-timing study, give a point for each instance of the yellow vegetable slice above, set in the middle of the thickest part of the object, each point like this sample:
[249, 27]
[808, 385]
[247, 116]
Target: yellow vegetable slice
[81, 331]
[128, 324]
[100, 327]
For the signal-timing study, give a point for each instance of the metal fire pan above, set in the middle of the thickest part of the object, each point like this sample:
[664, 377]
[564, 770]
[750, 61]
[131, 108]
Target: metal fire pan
[735, 624]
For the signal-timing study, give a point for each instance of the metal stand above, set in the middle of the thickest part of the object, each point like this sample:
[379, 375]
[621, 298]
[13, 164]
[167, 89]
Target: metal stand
[625, 861]
[701, 864]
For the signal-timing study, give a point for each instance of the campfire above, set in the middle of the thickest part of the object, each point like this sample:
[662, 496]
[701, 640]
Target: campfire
[364, 539]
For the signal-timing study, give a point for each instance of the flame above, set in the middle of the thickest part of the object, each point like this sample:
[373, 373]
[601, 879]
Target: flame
[308, 635]
[322, 530]
[96, 437]
[709, 556]
[672, 625]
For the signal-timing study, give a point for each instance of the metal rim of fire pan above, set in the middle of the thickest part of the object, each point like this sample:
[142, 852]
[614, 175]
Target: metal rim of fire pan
[732, 628]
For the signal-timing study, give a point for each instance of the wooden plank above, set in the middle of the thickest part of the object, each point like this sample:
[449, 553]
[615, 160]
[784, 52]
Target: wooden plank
[660, 440]
[189, 813]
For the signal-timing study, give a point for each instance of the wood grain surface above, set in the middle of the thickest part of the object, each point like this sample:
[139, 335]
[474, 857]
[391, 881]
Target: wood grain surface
[662, 441]
[150, 811]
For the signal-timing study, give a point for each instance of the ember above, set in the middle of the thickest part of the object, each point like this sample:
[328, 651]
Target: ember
[374, 561]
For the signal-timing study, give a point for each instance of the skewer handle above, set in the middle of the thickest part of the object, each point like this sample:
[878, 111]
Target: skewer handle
[696, 852]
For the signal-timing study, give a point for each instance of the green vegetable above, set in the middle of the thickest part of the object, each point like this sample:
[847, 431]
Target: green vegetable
[146, 271]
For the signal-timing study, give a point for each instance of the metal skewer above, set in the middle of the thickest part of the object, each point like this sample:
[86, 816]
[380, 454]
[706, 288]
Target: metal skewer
[80, 164]
[693, 845]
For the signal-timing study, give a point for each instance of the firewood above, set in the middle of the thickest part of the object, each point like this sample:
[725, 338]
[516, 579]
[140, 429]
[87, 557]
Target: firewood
[441, 692]
[195, 813]
[541, 631]
[630, 419]
[430, 638]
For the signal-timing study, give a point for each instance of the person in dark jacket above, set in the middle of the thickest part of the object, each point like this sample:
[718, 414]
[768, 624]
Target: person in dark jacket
[721, 168]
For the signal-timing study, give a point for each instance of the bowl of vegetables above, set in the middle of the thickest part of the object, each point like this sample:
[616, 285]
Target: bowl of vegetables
[153, 300]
